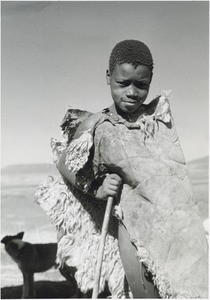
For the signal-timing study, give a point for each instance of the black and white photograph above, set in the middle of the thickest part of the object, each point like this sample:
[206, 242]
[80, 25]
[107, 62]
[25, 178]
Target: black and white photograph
[104, 149]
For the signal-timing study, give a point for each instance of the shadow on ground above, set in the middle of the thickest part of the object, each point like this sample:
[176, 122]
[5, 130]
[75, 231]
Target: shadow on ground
[44, 289]
[48, 289]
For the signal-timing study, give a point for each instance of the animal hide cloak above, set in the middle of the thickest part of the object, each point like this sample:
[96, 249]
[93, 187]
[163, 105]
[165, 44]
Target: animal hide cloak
[156, 203]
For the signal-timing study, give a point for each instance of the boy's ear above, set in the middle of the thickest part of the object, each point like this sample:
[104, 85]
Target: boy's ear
[108, 77]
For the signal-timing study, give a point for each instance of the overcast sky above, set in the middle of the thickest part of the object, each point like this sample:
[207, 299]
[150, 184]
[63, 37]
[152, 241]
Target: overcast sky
[55, 54]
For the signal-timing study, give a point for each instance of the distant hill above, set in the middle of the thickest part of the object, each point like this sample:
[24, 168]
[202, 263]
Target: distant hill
[199, 170]
[201, 163]
[29, 168]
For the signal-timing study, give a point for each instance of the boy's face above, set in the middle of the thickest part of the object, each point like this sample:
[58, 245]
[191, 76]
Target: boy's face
[129, 86]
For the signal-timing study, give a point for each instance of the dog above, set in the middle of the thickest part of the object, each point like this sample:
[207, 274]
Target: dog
[30, 258]
[34, 258]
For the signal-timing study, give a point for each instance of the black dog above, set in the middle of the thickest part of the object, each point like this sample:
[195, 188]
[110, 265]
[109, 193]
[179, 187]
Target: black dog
[31, 258]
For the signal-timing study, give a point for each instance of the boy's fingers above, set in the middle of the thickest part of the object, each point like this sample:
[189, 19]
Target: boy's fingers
[115, 179]
[115, 176]
[114, 188]
[115, 182]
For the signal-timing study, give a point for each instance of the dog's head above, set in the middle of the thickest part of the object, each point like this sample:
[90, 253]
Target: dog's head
[13, 244]
[9, 238]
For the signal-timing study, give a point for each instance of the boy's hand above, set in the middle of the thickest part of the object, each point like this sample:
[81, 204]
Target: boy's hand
[109, 187]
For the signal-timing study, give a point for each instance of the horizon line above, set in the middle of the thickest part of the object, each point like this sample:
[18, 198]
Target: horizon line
[51, 163]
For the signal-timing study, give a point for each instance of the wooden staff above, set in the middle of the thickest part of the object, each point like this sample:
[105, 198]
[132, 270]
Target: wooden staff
[101, 247]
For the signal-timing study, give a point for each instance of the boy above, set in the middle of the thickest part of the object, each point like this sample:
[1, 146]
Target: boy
[130, 151]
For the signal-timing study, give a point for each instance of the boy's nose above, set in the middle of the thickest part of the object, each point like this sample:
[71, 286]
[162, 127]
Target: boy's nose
[131, 92]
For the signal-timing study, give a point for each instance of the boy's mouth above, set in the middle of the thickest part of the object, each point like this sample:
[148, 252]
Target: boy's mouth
[131, 102]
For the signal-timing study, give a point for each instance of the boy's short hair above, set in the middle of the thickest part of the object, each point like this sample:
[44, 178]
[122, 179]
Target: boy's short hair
[132, 52]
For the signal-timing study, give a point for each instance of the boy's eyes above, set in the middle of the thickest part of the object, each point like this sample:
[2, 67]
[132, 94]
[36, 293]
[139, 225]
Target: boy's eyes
[142, 85]
[123, 83]
[138, 84]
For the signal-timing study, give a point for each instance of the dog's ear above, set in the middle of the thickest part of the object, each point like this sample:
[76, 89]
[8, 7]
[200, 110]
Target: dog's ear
[20, 235]
[5, 239]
